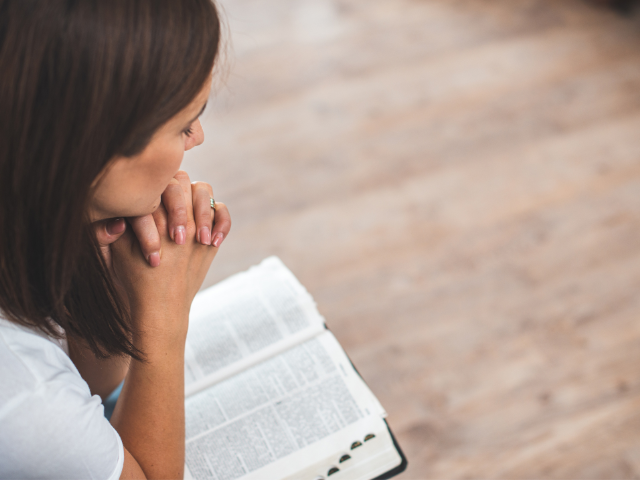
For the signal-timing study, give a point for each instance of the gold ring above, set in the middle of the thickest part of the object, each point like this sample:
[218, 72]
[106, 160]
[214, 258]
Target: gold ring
[213, 204]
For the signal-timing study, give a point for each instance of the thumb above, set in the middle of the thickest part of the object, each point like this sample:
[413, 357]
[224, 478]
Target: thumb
[107, 232]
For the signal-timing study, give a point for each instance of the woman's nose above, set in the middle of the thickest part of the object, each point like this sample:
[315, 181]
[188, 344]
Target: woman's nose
[197, 136]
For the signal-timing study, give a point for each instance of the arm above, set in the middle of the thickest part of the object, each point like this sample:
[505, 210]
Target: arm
[149, 415]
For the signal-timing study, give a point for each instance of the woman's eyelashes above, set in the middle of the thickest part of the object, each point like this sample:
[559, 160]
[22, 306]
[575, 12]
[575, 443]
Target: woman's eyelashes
[188, 131]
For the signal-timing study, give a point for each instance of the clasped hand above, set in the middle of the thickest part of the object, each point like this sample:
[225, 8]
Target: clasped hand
[179, 198]
[161, 261]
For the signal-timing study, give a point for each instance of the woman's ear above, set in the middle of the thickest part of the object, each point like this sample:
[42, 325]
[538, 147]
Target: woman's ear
[196, 138]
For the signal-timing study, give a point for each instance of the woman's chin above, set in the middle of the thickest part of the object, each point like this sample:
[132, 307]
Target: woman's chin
[140, 212]
[96, 215]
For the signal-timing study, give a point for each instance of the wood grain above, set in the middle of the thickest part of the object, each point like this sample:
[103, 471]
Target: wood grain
[457, 183]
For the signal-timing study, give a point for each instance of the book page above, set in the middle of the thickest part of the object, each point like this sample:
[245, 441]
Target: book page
[275, 411]
[245, 319]
[349, 454]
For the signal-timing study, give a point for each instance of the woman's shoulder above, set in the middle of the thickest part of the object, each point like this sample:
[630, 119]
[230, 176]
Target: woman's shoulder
[29, 357]
[50, 424]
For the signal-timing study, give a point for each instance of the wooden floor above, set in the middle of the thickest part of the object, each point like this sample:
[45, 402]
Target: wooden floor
[457, 182]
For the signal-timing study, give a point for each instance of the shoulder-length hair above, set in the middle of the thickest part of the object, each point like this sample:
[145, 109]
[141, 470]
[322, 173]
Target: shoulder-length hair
[80, 83]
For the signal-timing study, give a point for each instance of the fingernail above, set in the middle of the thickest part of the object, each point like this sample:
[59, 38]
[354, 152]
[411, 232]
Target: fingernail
[154, 259]
[116, 226]
[205, 236]
[217, 239]
[179, 235]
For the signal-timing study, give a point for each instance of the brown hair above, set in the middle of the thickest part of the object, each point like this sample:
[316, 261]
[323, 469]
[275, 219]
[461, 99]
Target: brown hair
[82, 82]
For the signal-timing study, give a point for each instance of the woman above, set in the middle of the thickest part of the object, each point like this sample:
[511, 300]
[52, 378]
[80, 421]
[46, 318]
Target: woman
[99, 99]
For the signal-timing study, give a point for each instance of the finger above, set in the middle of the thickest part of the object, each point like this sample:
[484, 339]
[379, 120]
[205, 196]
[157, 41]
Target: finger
[222, 224]
[202, 211]
[183, 179]
[176, 206]
[107, 232]
[146, 231]
[161, 218]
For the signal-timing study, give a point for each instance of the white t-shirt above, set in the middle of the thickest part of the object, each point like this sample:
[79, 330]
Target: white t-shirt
[50, 425]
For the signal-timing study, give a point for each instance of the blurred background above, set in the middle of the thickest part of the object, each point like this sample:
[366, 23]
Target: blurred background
[457, 183]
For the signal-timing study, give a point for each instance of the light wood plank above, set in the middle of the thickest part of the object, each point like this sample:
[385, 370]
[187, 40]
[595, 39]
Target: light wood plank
[457, 182]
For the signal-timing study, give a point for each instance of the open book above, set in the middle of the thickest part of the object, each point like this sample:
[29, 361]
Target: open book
[270, 394]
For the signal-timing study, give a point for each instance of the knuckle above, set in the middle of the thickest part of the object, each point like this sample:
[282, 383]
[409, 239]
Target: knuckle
[223, 224]
[149, 243]
[179, 212]
[202, 187]
[181, 175]
[203, 216]
[173, 190]
[222, 213]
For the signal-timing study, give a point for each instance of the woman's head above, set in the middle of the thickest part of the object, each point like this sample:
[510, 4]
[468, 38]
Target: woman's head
[85, 87]
[132, 186]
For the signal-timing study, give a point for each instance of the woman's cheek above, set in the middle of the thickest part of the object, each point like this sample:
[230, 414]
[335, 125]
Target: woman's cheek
[177, 155]
[169, 164]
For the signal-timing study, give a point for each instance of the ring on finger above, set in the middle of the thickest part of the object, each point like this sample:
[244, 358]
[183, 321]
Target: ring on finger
[213, 204]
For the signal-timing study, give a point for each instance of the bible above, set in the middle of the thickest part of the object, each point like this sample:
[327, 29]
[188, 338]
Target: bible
[271, 394]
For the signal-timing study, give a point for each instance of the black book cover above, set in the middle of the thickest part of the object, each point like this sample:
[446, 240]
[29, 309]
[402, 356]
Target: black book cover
[403, 464]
